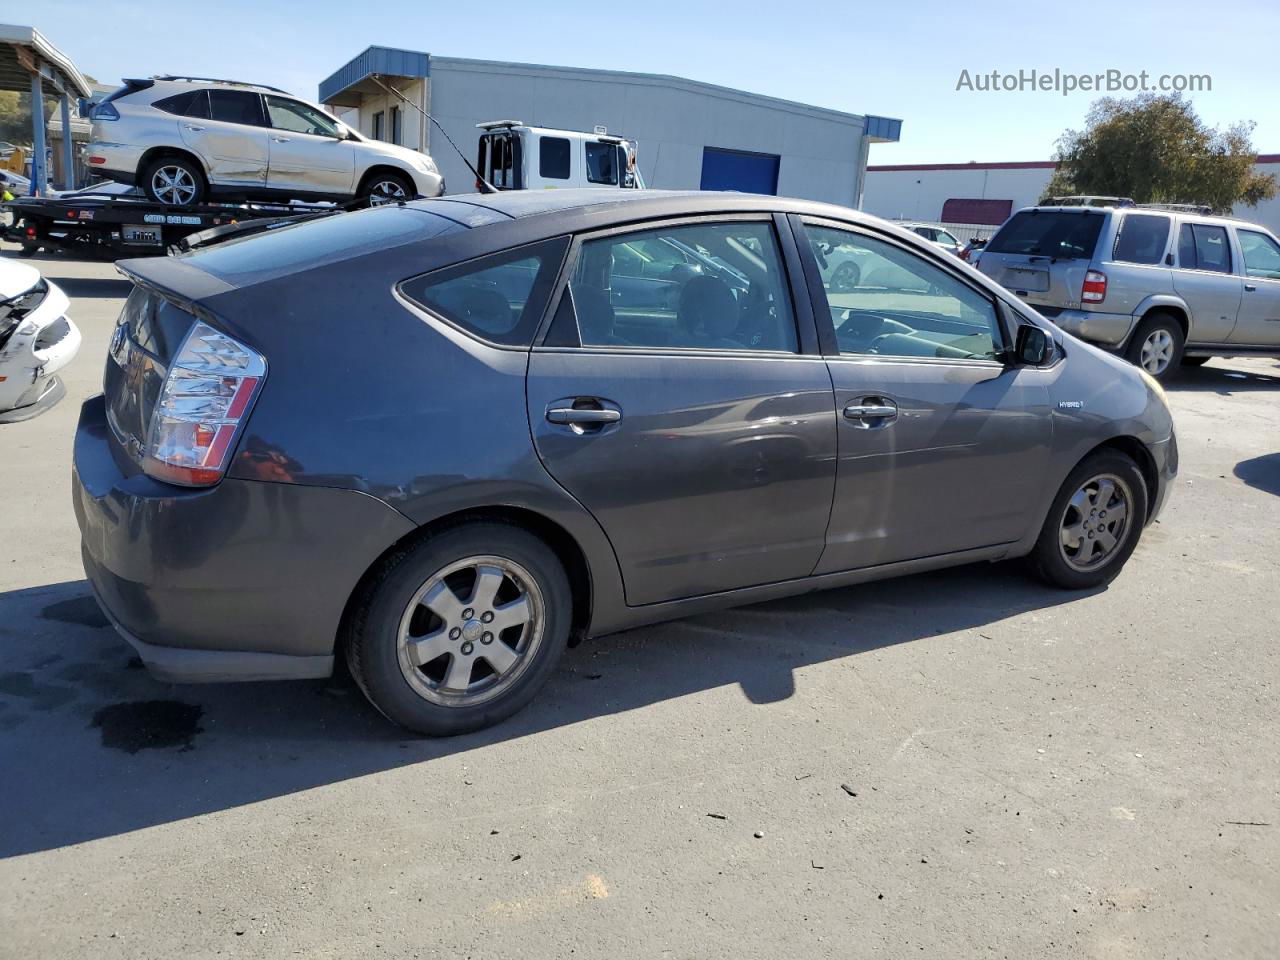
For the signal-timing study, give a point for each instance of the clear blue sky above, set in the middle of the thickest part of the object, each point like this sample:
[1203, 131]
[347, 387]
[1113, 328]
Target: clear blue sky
[898, 59]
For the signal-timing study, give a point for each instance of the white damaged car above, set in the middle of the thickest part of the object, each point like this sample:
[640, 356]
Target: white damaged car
[36, 341]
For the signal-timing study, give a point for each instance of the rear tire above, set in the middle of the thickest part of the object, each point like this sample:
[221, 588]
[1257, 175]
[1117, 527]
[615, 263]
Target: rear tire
[1156, 346]
[462, 629]
[174, 181]
[1083, 543]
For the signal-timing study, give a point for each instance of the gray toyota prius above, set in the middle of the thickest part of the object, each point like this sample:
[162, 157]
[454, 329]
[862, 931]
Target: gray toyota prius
[445, 439]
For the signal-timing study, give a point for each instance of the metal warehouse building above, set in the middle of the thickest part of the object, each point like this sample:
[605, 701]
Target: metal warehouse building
[691, 135]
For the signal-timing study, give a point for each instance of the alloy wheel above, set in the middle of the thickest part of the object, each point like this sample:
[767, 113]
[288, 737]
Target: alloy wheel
[1157, 352]
[1095, 522]
[173, 185]
[470, 631]
[387, 191]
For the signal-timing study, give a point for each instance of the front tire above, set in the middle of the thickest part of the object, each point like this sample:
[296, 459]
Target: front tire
[175, 182]
[387, 188]
[461, 630]
[1094, 524]
[1157, 344]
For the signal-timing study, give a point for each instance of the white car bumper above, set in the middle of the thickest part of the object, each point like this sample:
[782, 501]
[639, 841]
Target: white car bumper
[44, 342]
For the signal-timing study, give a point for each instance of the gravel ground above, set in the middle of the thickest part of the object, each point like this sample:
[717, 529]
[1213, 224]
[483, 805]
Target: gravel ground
[949, 765]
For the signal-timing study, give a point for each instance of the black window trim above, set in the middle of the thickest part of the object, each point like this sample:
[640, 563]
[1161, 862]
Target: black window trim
[263, 121]
[802, 314]
[822, 308]
[556, 260]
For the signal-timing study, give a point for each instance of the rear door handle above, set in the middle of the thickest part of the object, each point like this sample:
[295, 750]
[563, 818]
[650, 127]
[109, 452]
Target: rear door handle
[1250, 287]
[281, 139]
[871, 412]
[193, 128]
[571, 415]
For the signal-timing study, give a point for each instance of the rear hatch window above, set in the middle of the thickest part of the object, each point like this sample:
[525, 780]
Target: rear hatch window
[1057, 234]
[148, 334]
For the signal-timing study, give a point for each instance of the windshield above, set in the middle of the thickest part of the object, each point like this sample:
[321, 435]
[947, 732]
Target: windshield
[1053, 233]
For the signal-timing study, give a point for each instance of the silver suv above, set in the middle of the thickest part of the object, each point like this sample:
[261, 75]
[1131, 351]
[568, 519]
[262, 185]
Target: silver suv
[185, 140]
[1162, 286]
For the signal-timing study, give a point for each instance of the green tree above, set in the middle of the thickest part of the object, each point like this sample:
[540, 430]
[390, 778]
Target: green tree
[1155, 149]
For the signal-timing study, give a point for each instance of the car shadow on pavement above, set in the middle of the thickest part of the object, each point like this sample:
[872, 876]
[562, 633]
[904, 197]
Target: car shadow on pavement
[95, 747]
[1261, 473]
[1218, 376]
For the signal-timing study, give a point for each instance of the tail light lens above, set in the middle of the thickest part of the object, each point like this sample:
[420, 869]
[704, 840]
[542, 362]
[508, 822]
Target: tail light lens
[211, 385]
[104, 111]
[1095, 287]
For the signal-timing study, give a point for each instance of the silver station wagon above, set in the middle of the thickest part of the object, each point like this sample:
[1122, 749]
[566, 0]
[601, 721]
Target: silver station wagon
[445, 439]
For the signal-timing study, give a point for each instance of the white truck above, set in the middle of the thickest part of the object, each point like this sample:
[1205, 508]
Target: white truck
[516, 156]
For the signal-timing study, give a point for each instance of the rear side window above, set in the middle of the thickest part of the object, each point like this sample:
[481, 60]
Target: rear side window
[602, 163]
[499, 298]
[1142, 238]
[1202, 246]
[1049, 233]
[236, 106]
[192, 103]
[553, 158]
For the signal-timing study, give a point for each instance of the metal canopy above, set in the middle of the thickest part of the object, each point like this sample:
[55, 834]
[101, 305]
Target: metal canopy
[29, 62]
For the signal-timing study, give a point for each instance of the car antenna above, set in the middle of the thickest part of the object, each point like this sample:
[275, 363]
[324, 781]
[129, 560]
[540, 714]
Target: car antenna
[485, 185]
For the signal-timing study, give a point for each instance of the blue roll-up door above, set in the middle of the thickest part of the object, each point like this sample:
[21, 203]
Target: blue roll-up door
[739, 170]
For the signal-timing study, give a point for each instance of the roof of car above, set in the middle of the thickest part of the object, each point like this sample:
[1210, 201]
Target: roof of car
[1221, 219]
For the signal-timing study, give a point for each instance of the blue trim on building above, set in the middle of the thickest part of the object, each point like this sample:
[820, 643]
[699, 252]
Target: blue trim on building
[884, 129]
[383, 60]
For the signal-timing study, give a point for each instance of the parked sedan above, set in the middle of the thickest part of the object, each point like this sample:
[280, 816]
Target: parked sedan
[36, 341]
[427, 438]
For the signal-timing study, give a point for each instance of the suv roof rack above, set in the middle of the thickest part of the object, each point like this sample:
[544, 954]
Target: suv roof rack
[1202, 209]
[230, 83]
[1090, 200]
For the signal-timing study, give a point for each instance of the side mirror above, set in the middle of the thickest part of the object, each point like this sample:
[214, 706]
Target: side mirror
[1032, 346]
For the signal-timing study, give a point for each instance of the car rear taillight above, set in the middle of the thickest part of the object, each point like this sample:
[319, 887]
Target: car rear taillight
[97, 160]
[104, 111]
[1095, 287]
[206, 397]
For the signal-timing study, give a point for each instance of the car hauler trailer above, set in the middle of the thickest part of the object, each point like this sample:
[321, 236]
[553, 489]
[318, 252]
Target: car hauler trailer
[111, 226]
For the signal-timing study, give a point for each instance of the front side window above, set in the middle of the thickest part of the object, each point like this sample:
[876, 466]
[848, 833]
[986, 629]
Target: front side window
[235, 106]
[499, 298]
[708, 286]
[887, 301]
[944, 237]
[602, 163]
[553, 158]
[286, 114]
[1261, 254]
[1202, 246]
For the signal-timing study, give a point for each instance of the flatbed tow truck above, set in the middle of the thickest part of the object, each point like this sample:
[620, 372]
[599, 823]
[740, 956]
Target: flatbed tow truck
[115, 226]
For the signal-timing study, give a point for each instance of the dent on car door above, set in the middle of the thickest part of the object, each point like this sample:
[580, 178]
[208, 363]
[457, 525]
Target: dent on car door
[1259, 319]
[942, 446]
[226, 128]
[699, 430]
[306, 151]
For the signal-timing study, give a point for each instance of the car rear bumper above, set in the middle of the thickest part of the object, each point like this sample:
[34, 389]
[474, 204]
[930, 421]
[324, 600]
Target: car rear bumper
[1108, 329]
[246, 580]
[115, 161]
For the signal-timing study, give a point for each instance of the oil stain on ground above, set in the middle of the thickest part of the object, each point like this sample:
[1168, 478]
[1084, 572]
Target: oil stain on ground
[149, 725]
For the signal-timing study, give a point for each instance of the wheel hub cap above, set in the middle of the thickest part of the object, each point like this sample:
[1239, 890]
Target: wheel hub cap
[1157, 351]
[1095, 522]
[470, 631]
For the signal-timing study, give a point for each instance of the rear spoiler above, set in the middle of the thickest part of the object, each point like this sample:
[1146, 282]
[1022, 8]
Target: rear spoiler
[174, 280]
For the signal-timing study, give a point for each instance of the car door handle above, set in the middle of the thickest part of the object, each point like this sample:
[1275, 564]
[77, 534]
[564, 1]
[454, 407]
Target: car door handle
[1250, 287]
[281, 139]
[870, 411]
[577, 415]
[193, 127]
